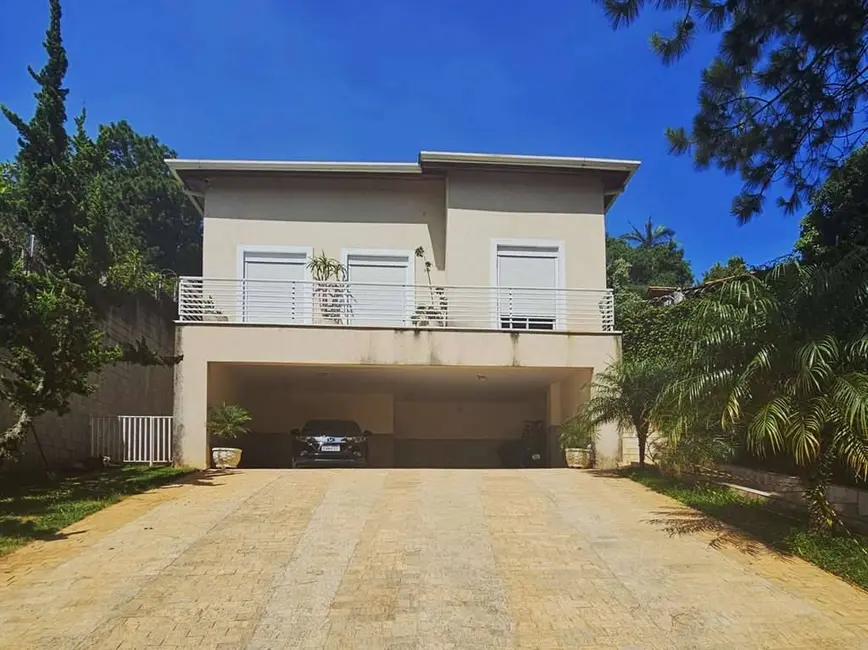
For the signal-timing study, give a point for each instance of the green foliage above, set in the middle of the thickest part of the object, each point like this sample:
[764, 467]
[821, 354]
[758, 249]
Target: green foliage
[693, 451]
[845, 556]
[651, 330]
[734, 266]
[624, 394]
[331, 292]
[50, 342]
[576, 434]
[837, 223]
[781, 359]
[33, 511]
[784, 99]
[323, 268]
[649, 236]
[618, 274]
[72, 243]
[228, 421]
[638, 268]
[133, 182]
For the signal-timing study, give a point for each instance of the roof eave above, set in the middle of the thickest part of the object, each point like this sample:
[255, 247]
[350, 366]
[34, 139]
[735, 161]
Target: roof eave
[620, 191]
[563, 163]
[446, 159]
[187, 164]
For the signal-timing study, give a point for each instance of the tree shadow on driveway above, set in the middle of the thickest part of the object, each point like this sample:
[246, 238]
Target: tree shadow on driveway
[682, 521]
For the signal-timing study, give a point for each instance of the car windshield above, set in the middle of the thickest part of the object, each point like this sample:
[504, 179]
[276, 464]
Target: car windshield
[331, 428]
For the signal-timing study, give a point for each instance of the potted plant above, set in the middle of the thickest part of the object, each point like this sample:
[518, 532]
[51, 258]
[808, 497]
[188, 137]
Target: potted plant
[228, 422]
[577, 440]
[432, 314]
[331, 290]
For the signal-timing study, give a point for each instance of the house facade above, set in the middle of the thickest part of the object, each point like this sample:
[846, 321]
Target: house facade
[441, 304]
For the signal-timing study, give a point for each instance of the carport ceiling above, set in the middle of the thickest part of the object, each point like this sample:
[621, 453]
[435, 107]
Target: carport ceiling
[406, 379]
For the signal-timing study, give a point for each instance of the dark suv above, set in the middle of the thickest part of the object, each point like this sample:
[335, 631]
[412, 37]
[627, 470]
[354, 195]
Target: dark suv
[330, 442]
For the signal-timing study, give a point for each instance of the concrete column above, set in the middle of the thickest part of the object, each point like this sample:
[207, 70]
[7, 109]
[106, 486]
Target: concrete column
[191, 396]
[553, 422]
[607, 447]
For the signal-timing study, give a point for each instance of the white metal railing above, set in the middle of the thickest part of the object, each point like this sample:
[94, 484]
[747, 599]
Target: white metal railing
[132, 438]
[334, 303]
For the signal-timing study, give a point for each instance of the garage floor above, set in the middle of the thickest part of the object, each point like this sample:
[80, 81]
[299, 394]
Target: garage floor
[414, 559]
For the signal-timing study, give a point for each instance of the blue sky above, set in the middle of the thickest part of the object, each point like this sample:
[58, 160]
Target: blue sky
[382, 79]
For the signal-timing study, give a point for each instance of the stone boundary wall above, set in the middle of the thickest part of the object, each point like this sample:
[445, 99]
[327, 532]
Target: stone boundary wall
[123, 389]
[850, 503]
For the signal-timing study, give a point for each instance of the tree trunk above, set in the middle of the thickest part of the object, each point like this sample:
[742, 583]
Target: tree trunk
[822, 517]
[48, 471]
[11, 438]
[642, 439]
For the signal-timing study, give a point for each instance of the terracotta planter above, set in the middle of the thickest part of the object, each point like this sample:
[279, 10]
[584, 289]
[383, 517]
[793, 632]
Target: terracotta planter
[578, 458]
[224, 457]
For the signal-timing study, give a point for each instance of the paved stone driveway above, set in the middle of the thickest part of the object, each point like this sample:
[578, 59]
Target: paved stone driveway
[414, 559]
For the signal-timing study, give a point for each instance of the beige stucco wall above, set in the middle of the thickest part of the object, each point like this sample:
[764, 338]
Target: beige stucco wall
[215, 343]
[455, 219]
[573, 392]
[224, 387]
[576, 391]
[374, 346]
[327, 214]
[446, 419]
[482, 206]
[278, 407]
[564, 398]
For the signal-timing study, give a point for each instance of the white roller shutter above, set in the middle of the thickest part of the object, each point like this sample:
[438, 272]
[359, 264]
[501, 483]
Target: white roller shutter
[280, 297]
[527, 278]
[378, 286]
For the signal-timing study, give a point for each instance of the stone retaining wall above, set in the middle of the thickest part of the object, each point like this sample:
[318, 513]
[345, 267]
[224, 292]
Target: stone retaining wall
[851, 503]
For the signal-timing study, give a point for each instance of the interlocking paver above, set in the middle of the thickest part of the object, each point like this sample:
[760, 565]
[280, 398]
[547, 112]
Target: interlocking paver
[404, 559]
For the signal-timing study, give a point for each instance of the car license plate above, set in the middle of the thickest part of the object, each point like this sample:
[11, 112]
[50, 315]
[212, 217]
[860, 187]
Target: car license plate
[330, 448]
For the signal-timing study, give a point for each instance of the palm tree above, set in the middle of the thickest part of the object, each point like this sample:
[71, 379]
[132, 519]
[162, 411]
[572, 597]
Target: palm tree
[228, 421]
[781, 357]
[650, 236]
[625, 394]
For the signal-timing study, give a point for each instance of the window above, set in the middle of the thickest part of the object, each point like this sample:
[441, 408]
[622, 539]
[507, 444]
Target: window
[277, 291]
[381, 288]
[527, 277]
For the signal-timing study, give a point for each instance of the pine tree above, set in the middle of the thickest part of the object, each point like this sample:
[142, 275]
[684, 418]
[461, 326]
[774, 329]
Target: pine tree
[52, 294]
[785, 98]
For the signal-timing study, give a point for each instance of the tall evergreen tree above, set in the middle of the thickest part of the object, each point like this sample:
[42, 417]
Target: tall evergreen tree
[837, 223]
[51, 294]
[44, 178]
[785, 98]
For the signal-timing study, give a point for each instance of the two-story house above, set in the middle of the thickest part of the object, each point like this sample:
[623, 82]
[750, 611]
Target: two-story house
[470, 299]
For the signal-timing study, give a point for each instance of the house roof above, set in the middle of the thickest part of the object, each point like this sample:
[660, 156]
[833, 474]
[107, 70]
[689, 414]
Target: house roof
[658, 292]
[195, 174]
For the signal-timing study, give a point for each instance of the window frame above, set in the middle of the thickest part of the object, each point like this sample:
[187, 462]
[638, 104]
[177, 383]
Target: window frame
[242, 252]
[547, 248]
[409, 277]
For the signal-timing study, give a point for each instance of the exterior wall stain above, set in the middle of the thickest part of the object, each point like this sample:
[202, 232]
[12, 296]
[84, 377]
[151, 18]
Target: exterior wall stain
[514, 338]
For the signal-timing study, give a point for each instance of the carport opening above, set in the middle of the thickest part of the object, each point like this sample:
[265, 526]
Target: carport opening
[420, 416]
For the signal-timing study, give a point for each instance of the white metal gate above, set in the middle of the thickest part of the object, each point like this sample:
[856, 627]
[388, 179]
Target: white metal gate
[132, 438]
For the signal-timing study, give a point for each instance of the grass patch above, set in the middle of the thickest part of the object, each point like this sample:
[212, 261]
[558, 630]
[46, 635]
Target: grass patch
[31, 511]
[845, 556]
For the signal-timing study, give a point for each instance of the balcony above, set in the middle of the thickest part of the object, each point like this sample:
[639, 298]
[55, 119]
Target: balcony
[355, 304]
